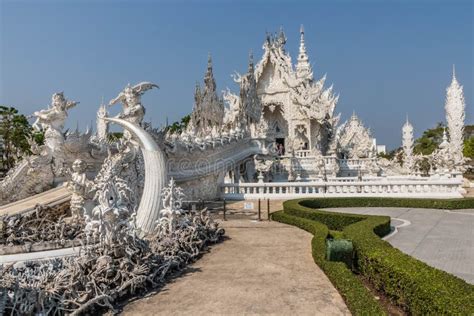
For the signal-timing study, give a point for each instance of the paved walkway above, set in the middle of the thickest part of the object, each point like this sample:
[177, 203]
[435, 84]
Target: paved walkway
[442, 239]
[264, 268]
[39, 255]
[50, 197]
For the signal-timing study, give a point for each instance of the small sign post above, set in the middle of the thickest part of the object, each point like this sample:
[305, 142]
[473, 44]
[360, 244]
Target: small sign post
[248, 206]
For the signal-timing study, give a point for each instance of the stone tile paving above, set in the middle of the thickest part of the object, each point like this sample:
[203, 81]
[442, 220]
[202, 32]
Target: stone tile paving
[442, 239]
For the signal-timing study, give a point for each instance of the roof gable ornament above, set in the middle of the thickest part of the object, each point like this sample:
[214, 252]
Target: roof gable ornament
[303, 67]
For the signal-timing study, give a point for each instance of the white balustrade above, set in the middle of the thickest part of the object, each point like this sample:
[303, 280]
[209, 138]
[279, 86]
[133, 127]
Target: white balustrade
[426, 188]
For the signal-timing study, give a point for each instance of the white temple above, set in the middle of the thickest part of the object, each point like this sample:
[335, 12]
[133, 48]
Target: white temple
[279, 137]
[290, 112]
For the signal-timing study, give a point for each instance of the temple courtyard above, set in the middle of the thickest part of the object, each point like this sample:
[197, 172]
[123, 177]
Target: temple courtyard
[261, 268]
[265, 267]
[192, 192]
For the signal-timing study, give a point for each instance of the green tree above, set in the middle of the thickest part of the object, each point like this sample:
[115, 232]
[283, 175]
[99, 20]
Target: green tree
[429, 141]
[14, 133]
[178, 127]
[469, 148]
[389, 155]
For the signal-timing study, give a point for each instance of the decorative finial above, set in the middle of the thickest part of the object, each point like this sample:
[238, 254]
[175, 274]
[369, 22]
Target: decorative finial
[454, 72]
[281, 36]
[209, 60]
[445, 138]
[302, 29]
[251, 68]
[407, 118]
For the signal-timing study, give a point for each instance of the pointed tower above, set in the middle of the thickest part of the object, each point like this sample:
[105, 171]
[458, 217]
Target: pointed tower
[303, 67]
[102, 128]
[248, 94]
[197, 95]
[455, 107]
[209, 81]
[407, 144]
[444, 144]
[208, 111]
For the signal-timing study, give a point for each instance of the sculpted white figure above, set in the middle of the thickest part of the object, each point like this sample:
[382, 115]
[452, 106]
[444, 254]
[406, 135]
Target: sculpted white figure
[172, 202]
[132, 109]
[263, 166]
[52, 120]
[80, 188]
[109, 217]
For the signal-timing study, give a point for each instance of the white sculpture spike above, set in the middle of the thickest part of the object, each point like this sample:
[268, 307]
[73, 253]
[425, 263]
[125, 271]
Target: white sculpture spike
[407, 145]
[155, 176]
[303, 67]
[455, 115]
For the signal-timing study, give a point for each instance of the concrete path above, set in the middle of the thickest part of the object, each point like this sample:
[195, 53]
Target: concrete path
[264, 268]
[442, 239]
[50, 197]
[39, 255]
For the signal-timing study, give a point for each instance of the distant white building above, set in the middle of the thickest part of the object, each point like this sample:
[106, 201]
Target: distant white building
[381, 149]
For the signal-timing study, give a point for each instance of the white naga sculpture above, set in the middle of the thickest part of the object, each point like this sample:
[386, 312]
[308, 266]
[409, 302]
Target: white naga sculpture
[407, 145]
[155, 175]
[51, 120]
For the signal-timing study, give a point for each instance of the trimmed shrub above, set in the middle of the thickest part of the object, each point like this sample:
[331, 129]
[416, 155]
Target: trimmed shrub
[412, 284]
[358, 298]
[333, 221]
[406, 281]
[445, 204]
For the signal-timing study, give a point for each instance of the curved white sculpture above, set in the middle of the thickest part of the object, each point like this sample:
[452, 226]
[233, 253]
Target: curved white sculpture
[155, 176]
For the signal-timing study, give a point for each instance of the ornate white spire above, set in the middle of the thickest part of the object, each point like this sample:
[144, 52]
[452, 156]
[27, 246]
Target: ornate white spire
[209, 80]
[303, 67]
[407, 144]
[444, 144]
[455, 107]
[251, 68]
[208, 110]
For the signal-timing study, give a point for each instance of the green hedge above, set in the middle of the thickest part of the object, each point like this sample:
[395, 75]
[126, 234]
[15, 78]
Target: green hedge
[408, 282]
[446, 204]
[358, 299]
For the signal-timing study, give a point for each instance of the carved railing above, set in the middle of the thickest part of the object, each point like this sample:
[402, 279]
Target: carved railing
[199, 164]
[448, 188]
[303, 153]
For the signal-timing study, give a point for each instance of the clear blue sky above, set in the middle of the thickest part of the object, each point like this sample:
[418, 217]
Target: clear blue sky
[385, 58]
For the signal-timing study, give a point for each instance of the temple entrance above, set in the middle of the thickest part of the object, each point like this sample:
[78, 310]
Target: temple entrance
[280, 146]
